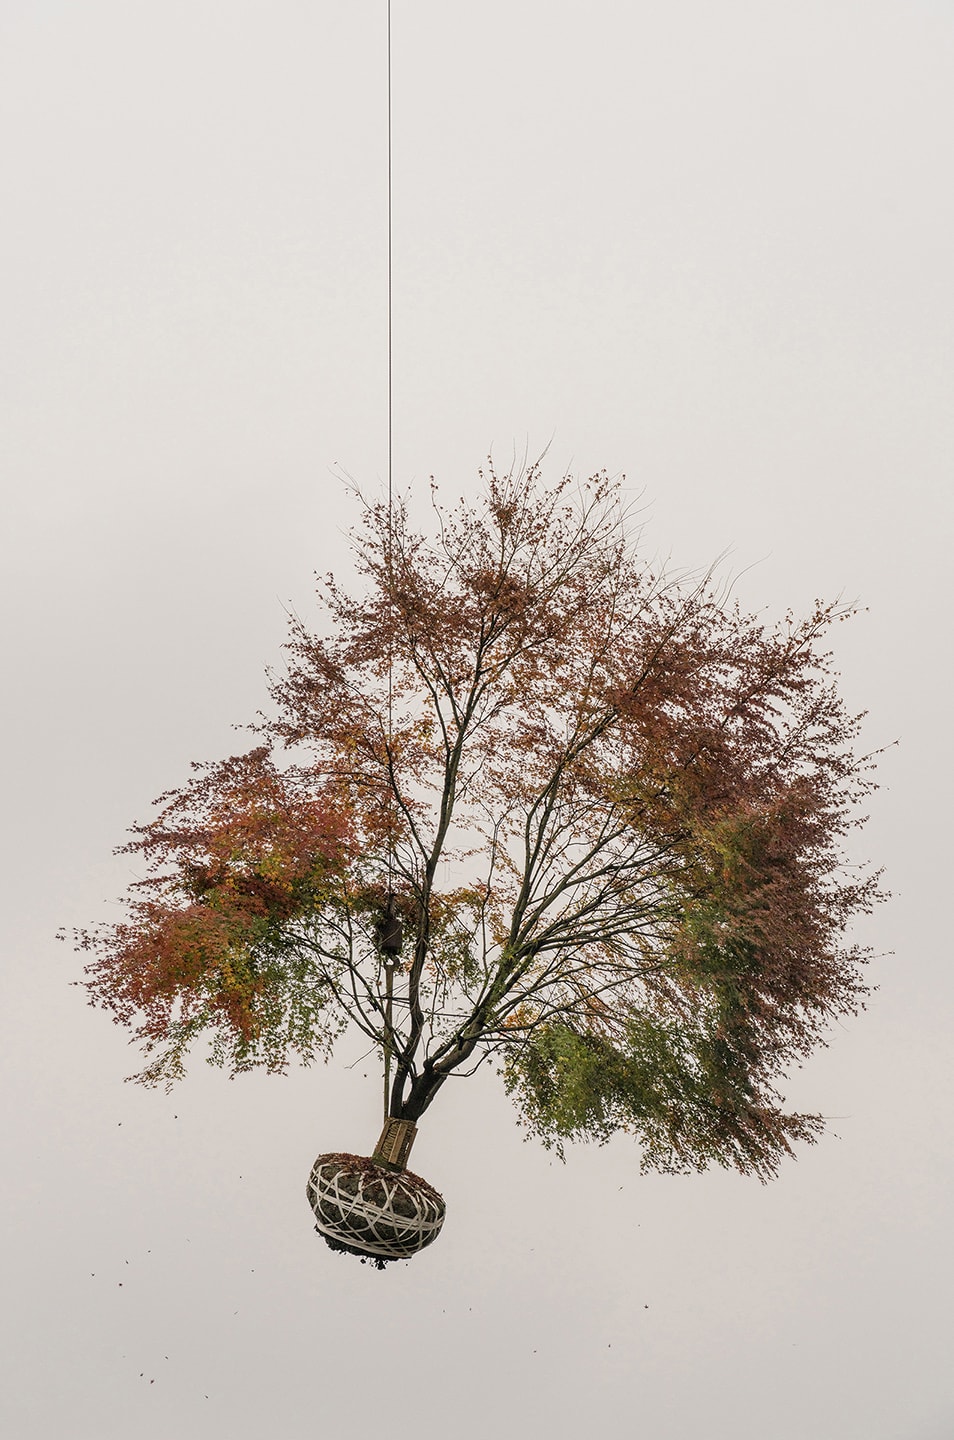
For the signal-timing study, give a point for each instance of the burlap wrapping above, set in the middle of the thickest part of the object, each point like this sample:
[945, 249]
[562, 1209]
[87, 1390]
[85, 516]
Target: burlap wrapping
[394, 1146]
[386, 1214]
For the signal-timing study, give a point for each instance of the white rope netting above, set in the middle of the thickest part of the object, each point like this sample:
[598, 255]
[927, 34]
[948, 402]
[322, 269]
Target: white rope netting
[378, 1212]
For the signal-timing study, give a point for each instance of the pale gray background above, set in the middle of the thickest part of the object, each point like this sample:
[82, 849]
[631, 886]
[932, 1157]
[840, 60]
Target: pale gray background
[706, 243]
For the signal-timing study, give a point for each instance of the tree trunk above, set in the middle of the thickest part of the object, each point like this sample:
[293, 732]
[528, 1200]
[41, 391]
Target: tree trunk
[394, 1144]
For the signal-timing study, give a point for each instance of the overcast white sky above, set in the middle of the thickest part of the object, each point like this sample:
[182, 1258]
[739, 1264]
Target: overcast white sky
[705, 244]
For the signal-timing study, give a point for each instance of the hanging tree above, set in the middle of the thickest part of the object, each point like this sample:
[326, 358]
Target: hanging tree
[641, 791]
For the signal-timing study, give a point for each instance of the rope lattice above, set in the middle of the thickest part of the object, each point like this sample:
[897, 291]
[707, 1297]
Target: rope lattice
[386, 1214]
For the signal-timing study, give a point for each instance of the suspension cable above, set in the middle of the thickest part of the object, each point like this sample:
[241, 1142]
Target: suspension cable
[390, 357]
[389, 959]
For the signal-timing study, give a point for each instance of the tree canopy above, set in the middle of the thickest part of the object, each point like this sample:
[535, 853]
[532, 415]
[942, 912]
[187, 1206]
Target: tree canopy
[607, 807]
